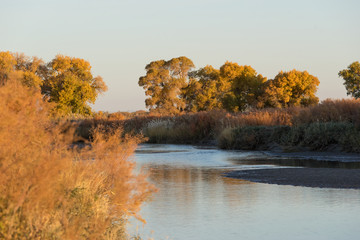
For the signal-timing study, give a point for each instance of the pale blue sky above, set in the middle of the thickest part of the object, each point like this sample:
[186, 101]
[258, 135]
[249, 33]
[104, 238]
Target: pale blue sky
[120, 37]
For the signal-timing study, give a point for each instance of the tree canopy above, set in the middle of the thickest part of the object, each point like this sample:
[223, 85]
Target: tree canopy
[164, 83]
[65, 81]
[293, 88]
[245, 86]
[232, 87]
[172, 89]
[202, 93]
[351, 77]
[72, 86]
[7, 63]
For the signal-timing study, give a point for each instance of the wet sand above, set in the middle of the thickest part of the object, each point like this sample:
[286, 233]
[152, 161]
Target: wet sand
[306, 177]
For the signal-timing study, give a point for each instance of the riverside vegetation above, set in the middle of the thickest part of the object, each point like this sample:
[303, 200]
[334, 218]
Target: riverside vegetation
[50, 189]
[282, 112]
[329, 125]
[237, 108]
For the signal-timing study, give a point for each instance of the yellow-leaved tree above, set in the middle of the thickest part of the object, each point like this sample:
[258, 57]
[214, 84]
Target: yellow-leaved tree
[66, 81]
[202, 92]
[245, 86]
[71, 85]
[27, 70]
[164, 83]
[232, 87]
[293, 88]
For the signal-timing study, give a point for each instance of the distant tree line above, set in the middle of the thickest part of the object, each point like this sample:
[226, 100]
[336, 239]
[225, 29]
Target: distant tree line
[65, 81]
[174, 86]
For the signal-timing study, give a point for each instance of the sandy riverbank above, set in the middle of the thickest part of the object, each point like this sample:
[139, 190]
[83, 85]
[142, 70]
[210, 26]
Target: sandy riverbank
[306, 177]
[336, 156]
[337, 176]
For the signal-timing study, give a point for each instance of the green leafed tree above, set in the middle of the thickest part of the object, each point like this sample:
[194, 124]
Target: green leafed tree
[164, 84]
[71, 85]
[293, 88]
[351, 77]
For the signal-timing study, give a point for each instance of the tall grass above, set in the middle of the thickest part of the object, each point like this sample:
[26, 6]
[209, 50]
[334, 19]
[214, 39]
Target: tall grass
[338, 110]
[314, 136]
[51, 191]
[207, 127]
[203, 127]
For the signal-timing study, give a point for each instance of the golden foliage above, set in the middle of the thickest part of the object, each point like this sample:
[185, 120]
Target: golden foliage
[66, 81]
[72, 86]
[233, 87]
[51, 191]
[293, 88]
[163, 83]
[7, 62]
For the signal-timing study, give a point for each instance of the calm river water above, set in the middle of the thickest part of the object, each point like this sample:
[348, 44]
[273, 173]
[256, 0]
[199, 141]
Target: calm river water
[195, 201]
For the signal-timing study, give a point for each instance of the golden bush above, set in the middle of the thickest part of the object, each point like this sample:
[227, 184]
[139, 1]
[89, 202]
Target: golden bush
[49, 190]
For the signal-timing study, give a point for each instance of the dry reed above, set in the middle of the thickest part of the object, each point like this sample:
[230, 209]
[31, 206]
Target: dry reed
[51, 191]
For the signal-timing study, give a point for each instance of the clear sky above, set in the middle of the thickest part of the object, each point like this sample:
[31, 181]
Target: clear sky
[119, 37]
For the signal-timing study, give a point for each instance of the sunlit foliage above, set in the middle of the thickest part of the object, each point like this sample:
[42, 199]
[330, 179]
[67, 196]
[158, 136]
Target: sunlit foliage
[351, 76]
[293, 88]
[202, 93]
[29, 71]
[245, 87]
[233, 87]
[7, 62]
[164, 83]
[66, 81]
[51, 191]
[72, 86]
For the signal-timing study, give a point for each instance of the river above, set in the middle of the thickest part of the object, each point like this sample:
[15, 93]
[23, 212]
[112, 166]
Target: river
[195, 200]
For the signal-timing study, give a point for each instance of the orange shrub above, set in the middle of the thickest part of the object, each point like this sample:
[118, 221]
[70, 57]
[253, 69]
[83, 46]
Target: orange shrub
[51, 191]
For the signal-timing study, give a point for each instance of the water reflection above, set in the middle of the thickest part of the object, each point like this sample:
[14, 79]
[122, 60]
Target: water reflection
[195, 202]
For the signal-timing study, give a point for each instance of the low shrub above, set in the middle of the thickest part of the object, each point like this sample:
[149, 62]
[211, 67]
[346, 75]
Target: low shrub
[294, 126]
[318, 136]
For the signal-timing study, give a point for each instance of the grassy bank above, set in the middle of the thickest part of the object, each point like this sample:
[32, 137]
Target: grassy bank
[340, 136]
[330, 124]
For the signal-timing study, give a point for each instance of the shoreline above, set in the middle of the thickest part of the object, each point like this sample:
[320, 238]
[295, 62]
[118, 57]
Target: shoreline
[331, 169]
[304, 177]
[336, 156]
